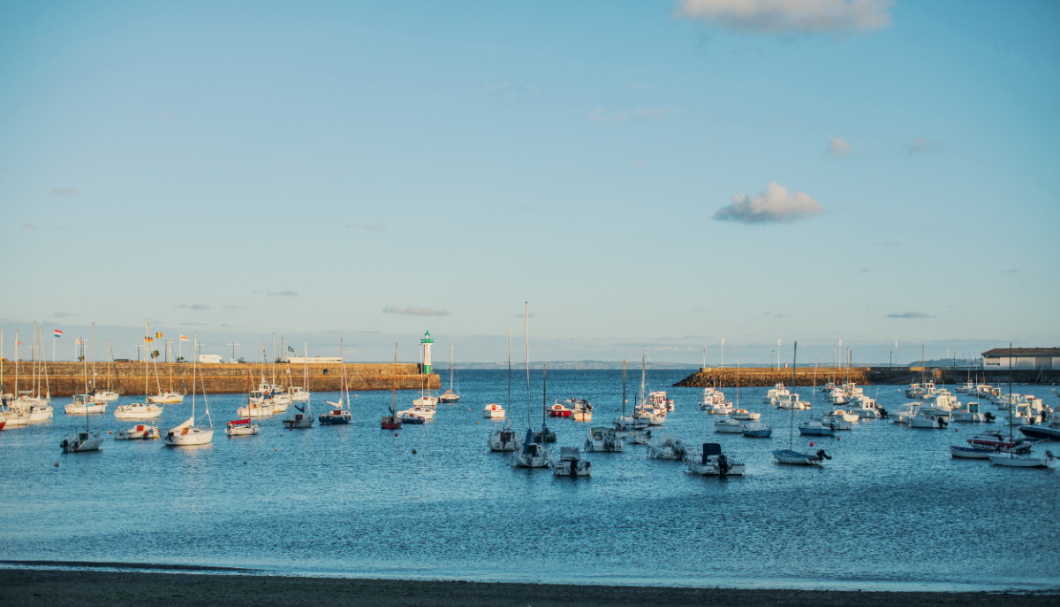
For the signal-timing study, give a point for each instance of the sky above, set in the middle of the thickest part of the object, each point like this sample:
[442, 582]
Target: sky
[649, 176]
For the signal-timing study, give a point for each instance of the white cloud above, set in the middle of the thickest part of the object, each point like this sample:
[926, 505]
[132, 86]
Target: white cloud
[415, 311]
[910, 315]
[789, 16]
[287, 293]
[30, 226]
[774, 205]
[924, 145]
[838, 148]
[193, 307]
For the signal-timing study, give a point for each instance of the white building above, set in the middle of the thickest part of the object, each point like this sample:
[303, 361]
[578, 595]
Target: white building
[1022, 358]
[313, 360]
[210, 358]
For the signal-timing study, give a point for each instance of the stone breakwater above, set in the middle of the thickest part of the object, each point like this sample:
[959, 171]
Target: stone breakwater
[67, 378]
[760, 377]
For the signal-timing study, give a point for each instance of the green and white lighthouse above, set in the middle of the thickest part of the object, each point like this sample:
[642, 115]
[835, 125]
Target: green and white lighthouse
[425, 345]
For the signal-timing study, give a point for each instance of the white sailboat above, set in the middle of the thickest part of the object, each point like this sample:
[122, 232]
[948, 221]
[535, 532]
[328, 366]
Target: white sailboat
[83, 440]
[86, 403]
[187, 433]
[531, 455]
[506, 440]
[789, 455]
[450, 396]
[139, 432]
[340, 412]
[303, 417]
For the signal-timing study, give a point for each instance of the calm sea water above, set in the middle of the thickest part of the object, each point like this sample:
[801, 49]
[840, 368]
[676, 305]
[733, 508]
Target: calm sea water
[891, 511]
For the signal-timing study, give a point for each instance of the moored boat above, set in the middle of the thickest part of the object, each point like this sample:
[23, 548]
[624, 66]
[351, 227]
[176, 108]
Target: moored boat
[712, 462]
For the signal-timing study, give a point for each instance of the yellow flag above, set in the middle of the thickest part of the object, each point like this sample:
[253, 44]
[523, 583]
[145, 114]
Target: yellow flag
[158, 336]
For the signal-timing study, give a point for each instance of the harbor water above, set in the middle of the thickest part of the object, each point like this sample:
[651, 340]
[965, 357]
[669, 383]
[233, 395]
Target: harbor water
[891, 511]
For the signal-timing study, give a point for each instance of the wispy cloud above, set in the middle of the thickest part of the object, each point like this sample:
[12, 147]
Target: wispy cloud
[192, 324]
[193, 307]
[415, 311]
[1010, 271]
[30, 226]
[372, 227]
[864, 271]
[910, 315]
[788, 16]
[601, 114]
[774, 205]
[921, 145]
[62, 314]
[287, 293]
[837, 148]
[233, 307]
[66, 191]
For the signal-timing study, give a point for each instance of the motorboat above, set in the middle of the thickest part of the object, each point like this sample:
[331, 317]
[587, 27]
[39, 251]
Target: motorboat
[905, 412]
[712, 462]
[505, 440]
[728, 425]
[83, 440]
[865, 408]
[424, 412]
[558, 410]
[711, 396]
[581, 409]
[493, 411]
[971, 412]
[791, 401]
[660, 400]
[756, 430]
[914, 390]
[839, 396]
[837, 420]
[531, 455]
[303, 418]
[166, 398]
[817, 427]
[570, 463]
[959, 452]
[299, 394]
[1024, 460]
[603, 439]
[722, 408]
[650, 415]
[408, 417]
[745, 415]
[138, 411]
[139, 432]
[241, 427]
[842, 415]
[994, 440]
[967, 387]
[103, 395]
[1048, 430]
[773, 394]
[930, 419]
[85, 404]
[667, 446]
[789, 456]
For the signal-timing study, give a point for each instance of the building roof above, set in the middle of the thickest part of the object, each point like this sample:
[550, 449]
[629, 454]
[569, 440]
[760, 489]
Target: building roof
[999, 352]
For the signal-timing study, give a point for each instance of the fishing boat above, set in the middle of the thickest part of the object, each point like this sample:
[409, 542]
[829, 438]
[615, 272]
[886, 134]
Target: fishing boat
[339, 413]
[139, 432]
[493, 411]
[532, 454]
[570, 463]
[666, 445]
[558, 410]
[603, 439]
[303, 415]
[506, 440]
[450, 395]
[581, 409]
[392, 421]
[789, 455]
[712, 462]
[660, 400]
[187, 433]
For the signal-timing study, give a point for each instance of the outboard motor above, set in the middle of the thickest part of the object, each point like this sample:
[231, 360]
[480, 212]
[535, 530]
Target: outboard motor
[989, 417]
[883, 412]
[821, 453]
[942, 422]
[723, 465]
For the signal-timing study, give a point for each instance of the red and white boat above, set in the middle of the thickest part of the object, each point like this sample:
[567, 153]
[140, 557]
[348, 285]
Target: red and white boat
[993, 440]
[558, 410]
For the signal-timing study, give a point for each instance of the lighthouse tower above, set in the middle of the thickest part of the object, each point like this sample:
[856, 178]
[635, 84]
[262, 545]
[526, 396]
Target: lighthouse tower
[426, 344]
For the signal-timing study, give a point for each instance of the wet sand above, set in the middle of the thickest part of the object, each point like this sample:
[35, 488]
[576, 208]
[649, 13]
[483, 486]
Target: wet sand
[32, 587]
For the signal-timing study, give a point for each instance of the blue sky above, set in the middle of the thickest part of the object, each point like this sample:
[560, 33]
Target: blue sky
[653, 175]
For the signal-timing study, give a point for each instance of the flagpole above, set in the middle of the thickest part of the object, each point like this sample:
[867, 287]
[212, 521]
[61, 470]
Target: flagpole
[54, 337]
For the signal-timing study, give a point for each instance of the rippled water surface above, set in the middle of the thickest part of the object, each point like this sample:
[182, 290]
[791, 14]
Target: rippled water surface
[892, 510]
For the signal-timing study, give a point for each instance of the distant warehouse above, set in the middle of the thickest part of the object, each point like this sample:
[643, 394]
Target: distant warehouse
[298, 360]
[1022, 358]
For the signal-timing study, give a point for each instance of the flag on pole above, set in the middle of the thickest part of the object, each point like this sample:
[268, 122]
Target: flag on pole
[183, 338]
[148, 339]
[77, 342]
[158, 336]
[58, 333]
[291, 350]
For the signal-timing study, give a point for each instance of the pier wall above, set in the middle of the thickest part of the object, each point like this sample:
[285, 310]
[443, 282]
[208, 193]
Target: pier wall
[67, 378]
[805, 376]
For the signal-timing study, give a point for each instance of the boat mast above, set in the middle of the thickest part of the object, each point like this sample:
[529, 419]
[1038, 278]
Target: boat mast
[393, 397]
[544, 393]
[1011, 405]
[791, 412]
[452, 349]
[737, 383]
[623, 387]
[526, 334]
[93, 356]
[509, 368]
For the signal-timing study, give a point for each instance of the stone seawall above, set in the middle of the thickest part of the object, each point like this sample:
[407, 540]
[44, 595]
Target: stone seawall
[763, 377]
[64, 379]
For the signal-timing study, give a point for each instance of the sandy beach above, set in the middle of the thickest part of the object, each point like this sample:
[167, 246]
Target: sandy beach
[50, 587]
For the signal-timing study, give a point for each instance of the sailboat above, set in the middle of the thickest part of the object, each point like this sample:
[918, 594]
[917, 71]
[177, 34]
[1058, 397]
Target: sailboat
[30, 405]
[144, 410]
[164, 397]
[753, 428]
[86, 403]
[789, 455]
[83, 440]
[450, 395]
[392, 421]
[506, 439]
[107, 394]
[645, 409]
[188, 433]
[244, 426]
[425, 399]
[532, 455]
[545, 434]
[628, 427]
[340, 412]
[1012, 458]
[304, 416]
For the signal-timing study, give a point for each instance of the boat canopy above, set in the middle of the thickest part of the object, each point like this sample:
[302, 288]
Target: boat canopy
[570, 453]
[711, 449]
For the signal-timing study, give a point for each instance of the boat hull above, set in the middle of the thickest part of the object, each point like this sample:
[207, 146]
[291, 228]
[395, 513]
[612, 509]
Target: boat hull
[1044, 432]
[1013, 460]
[795, 458]
[970, 452]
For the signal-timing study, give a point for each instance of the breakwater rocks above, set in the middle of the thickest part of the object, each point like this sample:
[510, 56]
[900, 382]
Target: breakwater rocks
[67, 378]
[759, 377]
